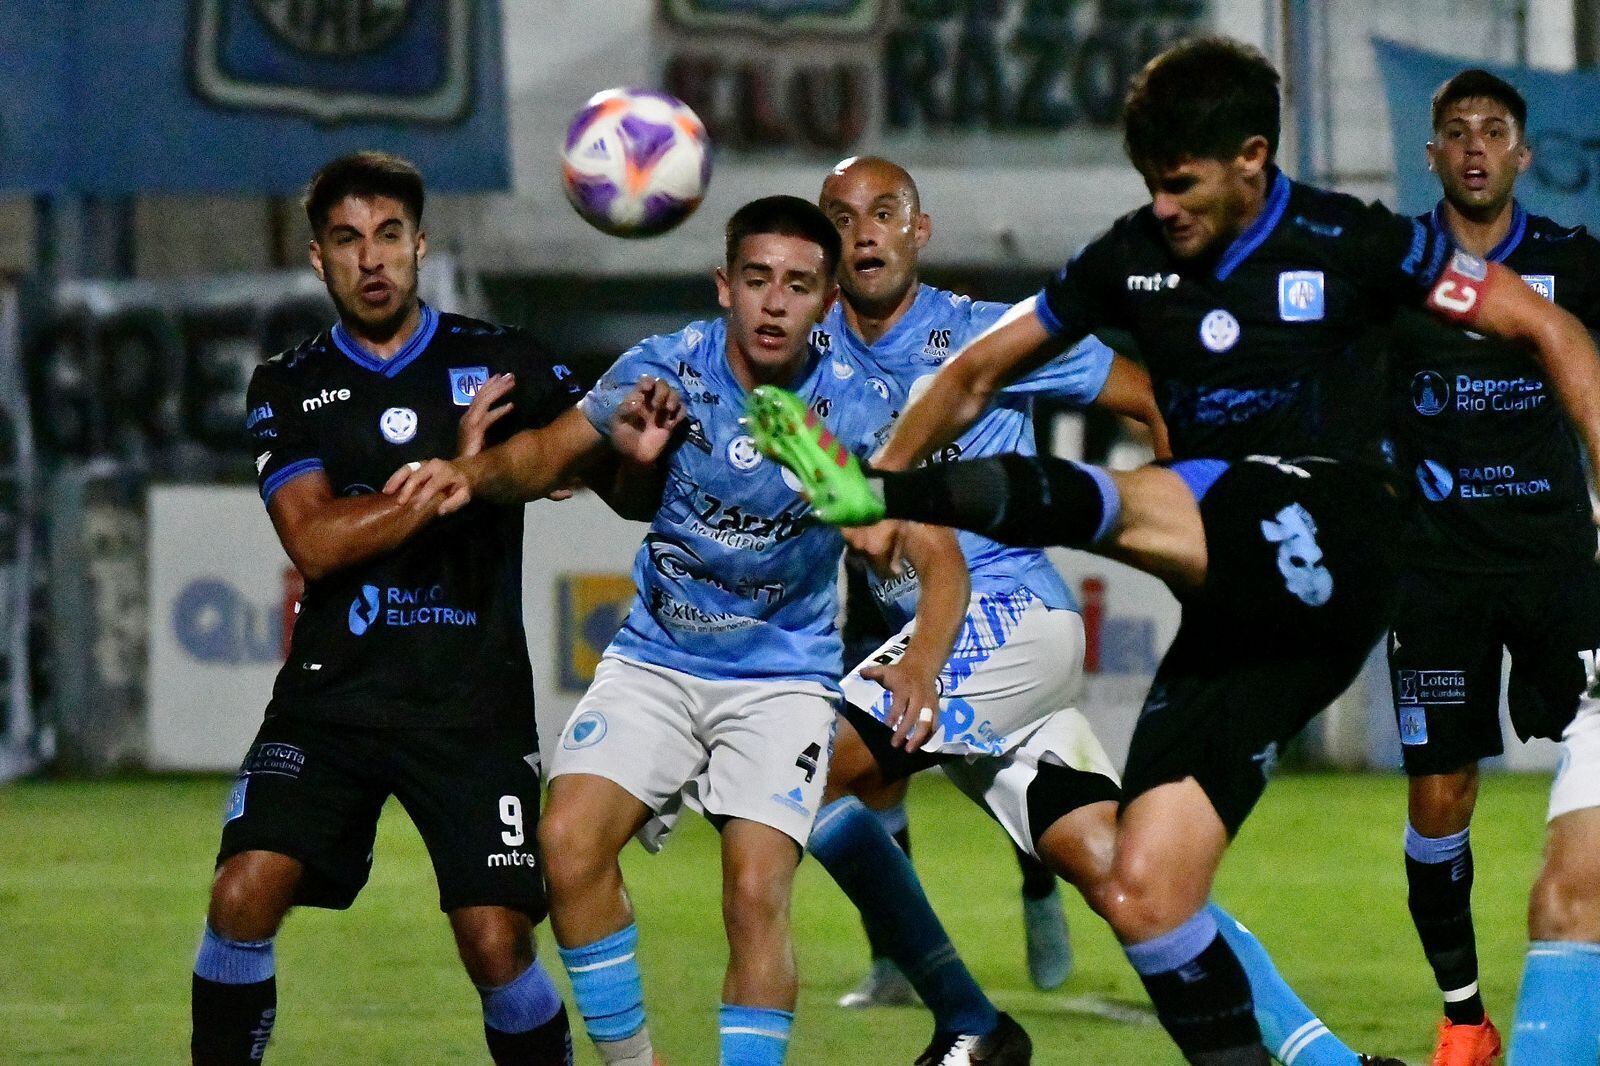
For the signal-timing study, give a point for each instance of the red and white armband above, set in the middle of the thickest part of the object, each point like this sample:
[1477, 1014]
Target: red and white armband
[1458, 293]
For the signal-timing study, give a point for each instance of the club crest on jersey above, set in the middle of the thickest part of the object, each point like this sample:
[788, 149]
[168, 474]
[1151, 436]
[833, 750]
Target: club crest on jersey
[588, 729]
[465, 381]
[1413, 720]
[398, 424]
[742, 453]
[1219, 331]
[1430, 392]
[1300, 296]
[1543, 284]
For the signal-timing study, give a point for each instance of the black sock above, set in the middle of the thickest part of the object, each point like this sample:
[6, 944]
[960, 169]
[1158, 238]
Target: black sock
[1029, 501]
[902, 839]
[232, 1023]
[1205, 1006]
[1439, 876]
[549, 1044]
[1038, 880]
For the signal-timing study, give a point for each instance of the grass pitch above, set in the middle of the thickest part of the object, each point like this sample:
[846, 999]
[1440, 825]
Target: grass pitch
[103, 885]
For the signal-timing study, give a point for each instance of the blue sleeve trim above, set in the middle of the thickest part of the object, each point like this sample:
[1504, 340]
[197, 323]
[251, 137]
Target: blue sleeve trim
[1047, 314]
[1199, 474]
[282, 477]
[1110, 499]
[597, 412]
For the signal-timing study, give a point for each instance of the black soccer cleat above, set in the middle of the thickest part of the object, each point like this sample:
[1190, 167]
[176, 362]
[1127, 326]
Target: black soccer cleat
[1007, 1045]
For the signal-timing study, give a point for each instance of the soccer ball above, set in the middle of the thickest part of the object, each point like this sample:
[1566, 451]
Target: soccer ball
[636, 162]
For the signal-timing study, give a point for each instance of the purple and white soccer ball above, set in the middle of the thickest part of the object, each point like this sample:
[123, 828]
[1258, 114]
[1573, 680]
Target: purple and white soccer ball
[636, 162]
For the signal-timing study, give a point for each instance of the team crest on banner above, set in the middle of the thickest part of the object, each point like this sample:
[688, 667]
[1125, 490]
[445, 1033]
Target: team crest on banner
[774, 16]
[336, 60]
[590, 608]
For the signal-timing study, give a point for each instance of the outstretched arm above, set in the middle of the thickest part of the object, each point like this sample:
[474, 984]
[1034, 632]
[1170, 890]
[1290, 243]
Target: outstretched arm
[913, 681]
[1128, 392]
[323, 533]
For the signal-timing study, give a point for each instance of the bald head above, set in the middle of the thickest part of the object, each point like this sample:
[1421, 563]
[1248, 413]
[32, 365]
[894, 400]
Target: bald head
[884, 174]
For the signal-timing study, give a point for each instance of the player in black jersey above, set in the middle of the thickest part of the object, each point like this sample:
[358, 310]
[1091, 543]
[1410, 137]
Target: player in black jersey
[1500, 555]
[408, 673]
[1248, 295]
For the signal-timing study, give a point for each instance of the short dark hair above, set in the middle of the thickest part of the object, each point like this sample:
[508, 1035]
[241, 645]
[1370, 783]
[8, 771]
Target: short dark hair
[787, 216]
[363, 174]
[1200, 99]
[1476, 82]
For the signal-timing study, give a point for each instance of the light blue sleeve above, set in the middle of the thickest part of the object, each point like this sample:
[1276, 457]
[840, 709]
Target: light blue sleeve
[1074, 377]
[657, 356]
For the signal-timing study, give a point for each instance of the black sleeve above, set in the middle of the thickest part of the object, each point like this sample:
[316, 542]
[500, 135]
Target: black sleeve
[1085, 295]
[1587, 306]
[281, 440]
[545, 387]
[1396, 259]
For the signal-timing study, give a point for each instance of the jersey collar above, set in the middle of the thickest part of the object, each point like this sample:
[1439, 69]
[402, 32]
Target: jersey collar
[1259, 230]
[1508, 243]
[908, 321]
[412, 348]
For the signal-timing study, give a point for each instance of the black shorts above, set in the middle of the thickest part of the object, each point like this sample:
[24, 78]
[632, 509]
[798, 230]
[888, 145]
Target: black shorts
[1055, 791]
[1446, 650]
[1300, 585]
[313, 791]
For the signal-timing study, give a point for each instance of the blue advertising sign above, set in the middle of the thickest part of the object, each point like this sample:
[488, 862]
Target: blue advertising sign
[1563, 132]
[115, 97]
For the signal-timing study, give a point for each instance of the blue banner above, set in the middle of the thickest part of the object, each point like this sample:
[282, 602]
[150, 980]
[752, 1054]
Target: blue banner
[1563, 132]
[114, 97]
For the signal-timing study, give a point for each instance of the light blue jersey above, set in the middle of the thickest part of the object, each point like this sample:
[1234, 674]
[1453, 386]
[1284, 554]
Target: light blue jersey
[736, 582]
[936, 326]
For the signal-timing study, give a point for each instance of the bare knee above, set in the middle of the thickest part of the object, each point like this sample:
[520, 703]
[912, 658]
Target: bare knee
[1565, 904]
[1440, 805]
[251, 893]
[1140, 903]
[574, 852]
[755, 903]
[495, 943]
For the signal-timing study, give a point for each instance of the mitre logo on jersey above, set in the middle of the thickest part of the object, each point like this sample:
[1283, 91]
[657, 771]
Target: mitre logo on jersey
[1300, 296]
[333, 60]
[1152, 282]
[1543, 284]
[465, 381]
[323, 399]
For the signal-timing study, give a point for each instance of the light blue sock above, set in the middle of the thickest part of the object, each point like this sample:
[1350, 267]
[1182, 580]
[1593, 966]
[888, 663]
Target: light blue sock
[1558, 1009]
[234, 962]
[1293, 1035]
[894, 819]
[606, 986]
[526, 1002]
[754, 1036]
[851, 844]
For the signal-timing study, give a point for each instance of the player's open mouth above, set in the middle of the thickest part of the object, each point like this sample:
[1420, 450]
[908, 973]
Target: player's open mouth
[1475, 178]
[770, 336]
[869, 266]
[376, 292]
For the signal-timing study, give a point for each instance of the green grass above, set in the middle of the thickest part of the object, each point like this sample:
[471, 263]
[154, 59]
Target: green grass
[102, 887]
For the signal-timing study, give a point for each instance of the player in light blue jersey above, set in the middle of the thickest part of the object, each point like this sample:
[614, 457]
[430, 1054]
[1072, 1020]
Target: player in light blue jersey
[721, 688]
[1007, 733]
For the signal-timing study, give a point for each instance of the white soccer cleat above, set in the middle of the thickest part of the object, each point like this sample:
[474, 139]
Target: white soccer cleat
[1007, 1045]
[883, 986]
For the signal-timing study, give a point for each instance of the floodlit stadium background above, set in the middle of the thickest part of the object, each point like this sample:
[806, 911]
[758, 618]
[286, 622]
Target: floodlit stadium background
[151, 252]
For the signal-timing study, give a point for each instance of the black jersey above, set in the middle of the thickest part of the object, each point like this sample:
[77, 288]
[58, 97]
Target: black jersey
[1258, 350]
[1498, 464]
[430, 633]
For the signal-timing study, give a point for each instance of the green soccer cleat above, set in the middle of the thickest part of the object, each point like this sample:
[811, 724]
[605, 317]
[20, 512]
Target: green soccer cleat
[830, 477]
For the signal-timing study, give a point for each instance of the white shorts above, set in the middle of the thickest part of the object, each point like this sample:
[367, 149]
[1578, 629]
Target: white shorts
[1015, 662]
[1000, 784]
[756, 750]
[1577, 783]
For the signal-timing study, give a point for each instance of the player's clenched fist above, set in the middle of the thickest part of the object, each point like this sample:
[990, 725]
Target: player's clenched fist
[435, 481]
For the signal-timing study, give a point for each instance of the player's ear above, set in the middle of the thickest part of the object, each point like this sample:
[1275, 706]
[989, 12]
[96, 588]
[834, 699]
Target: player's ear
[1255, 155]
[422, 245]
[828, 297]
[724, 289]
[1524, 158]
[924, 229]
[314, 253]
